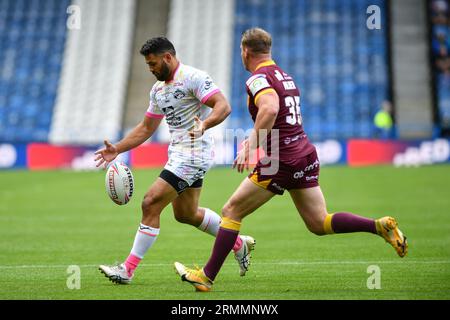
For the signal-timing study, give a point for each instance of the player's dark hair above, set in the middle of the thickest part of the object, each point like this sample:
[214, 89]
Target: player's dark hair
[257, 40]
[158, 45]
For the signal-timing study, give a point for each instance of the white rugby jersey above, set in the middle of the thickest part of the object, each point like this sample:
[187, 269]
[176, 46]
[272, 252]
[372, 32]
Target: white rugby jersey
[179, 101]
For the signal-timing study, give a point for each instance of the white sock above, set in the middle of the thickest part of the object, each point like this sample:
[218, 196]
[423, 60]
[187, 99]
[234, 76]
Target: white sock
[145, 237]
[211, 222]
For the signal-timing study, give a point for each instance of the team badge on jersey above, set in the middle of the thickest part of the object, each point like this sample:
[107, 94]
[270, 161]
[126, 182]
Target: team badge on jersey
[178, 94]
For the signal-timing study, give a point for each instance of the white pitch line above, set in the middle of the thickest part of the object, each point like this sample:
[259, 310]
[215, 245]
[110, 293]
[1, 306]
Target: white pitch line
[299, 263]
[358, 262]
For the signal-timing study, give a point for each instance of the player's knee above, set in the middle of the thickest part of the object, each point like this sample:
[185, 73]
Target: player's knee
[183, 217]
[227, 210]
[232, 212]
[316, 227]
[317, 230]
[149, 201]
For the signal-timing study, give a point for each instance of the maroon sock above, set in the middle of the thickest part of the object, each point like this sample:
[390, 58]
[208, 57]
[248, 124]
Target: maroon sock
[344, 222]
[225, 241]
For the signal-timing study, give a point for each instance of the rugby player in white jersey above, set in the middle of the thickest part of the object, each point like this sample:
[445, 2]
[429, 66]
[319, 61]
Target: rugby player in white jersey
[191, 104]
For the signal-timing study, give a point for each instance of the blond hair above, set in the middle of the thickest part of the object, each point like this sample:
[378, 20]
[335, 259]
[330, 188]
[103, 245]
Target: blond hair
[257, 40]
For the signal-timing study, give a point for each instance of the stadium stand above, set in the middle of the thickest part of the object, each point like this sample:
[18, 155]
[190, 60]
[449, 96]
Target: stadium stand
[443, 101]
[70, 86]
[203, 41]
[94, 77]
[340, 65]
[440, 53]
[150, 21]
[411, 76]
[32, 35]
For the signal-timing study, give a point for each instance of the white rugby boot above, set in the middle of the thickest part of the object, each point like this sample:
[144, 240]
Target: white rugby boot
[243, 256]
[117, 273]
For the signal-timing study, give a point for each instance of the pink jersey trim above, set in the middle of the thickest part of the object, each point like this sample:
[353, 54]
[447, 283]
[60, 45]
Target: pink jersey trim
[205, 98]
[154, 115]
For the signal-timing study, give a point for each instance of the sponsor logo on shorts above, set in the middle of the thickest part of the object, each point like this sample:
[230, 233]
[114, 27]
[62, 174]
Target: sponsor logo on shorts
[277, 187]
[312, 166]
[199, 175]
[182, 185]
[309, 178]
[299, 175]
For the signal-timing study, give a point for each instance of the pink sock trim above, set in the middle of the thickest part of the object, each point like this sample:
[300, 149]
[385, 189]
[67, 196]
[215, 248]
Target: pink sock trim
[237, 244]
[131, 263]
[149, 234]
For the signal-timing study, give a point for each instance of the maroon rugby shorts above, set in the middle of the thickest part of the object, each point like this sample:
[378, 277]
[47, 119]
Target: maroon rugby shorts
[303, 174]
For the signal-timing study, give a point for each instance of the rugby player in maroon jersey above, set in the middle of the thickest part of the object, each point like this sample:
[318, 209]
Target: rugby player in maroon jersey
[274, 105]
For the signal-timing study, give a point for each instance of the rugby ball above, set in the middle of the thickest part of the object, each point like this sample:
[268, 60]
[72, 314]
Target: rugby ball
[119, 182]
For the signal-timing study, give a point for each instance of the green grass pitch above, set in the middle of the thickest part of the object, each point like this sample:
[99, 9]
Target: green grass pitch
[50, 220]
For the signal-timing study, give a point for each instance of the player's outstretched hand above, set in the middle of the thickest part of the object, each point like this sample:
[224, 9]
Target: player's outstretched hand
[243, 158]
[199, 128]
[106, 155]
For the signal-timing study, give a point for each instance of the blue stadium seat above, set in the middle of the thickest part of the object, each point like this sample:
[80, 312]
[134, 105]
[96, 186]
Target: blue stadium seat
[322, 44]
[32, 36]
